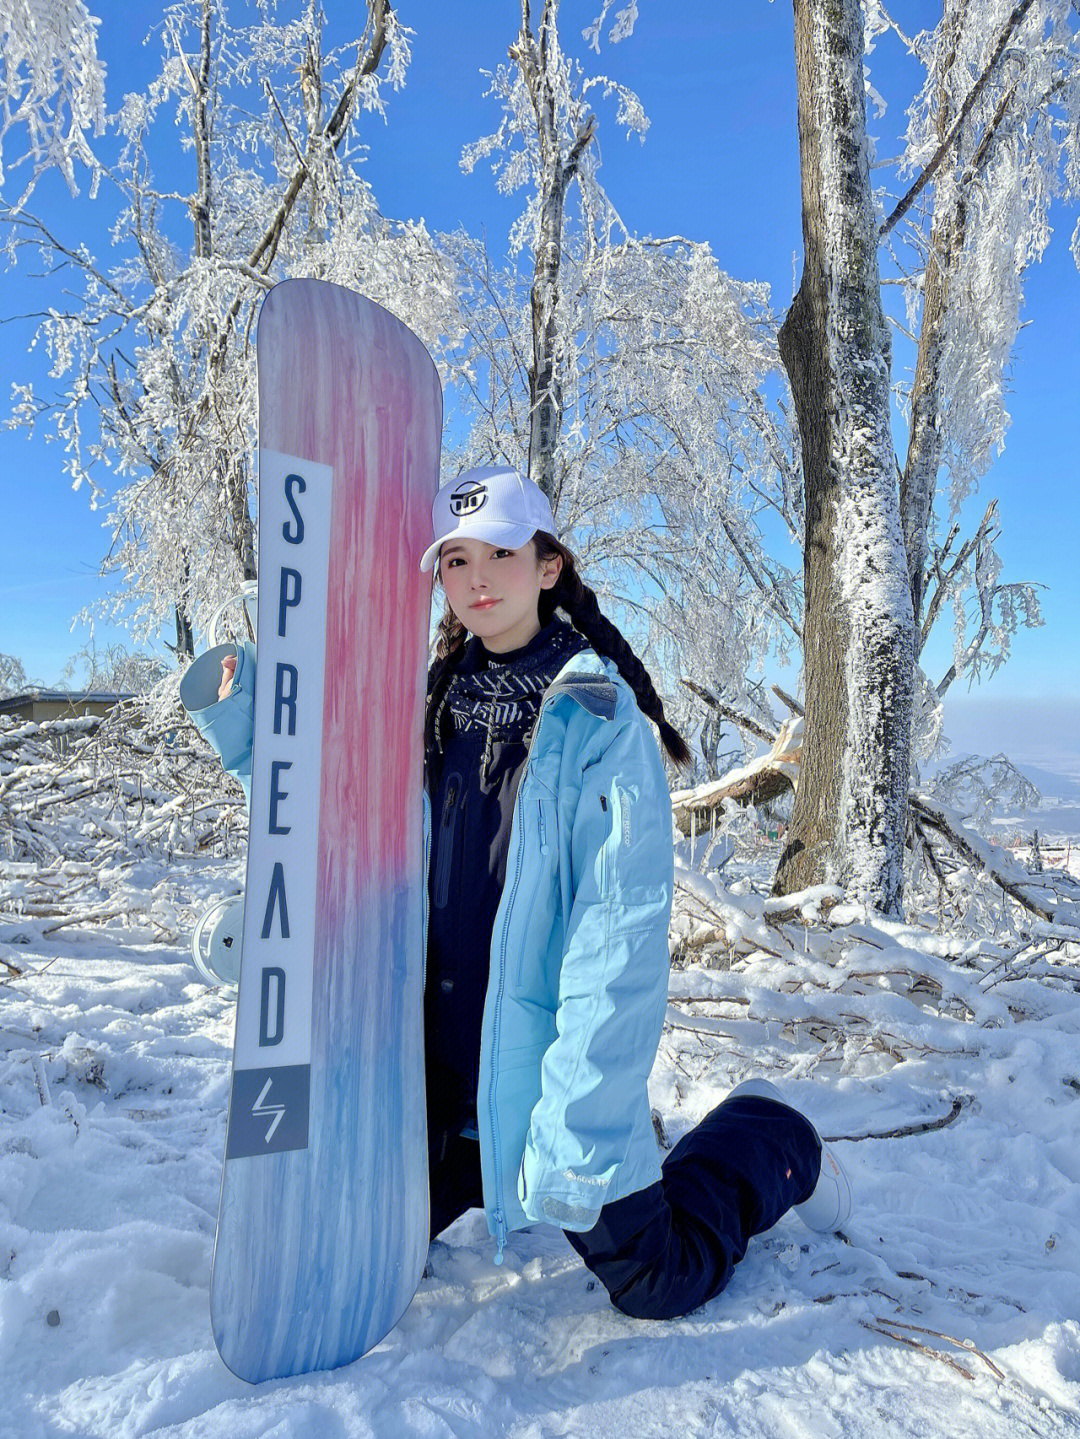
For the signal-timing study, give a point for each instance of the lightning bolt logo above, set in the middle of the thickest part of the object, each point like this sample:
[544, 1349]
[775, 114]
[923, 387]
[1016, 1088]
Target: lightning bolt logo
[277, 1110]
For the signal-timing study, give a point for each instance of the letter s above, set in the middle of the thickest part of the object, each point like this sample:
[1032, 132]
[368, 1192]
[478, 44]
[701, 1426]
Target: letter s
[294, 536]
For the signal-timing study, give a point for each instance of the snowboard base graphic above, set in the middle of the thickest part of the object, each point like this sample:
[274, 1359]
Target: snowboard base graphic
[323, 1220]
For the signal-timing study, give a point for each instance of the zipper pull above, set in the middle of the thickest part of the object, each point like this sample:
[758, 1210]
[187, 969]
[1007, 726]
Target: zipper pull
[451, 796]
[500, 1236]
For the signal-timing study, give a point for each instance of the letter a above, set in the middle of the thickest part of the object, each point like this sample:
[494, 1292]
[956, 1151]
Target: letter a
[276, 895]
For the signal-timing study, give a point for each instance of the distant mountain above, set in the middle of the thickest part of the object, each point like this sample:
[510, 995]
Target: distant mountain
[1051, 785]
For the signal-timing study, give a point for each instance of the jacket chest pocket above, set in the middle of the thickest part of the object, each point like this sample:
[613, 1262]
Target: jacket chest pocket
[449, 826]
[539, 906]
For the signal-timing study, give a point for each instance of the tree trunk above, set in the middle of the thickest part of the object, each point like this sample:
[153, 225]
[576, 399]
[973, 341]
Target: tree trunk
[858, 635]
[201, 124]
[919, 480]
[184, 648]
[538, 59]
[545, 399]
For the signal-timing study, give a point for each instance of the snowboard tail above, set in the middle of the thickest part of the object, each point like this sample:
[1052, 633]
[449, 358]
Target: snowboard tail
[323, 1220]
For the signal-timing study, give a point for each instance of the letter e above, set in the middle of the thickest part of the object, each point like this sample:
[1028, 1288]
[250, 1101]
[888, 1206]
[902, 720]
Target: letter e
[277, 795]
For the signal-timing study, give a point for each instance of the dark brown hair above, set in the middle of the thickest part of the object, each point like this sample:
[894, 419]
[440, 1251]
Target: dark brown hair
[571, 594]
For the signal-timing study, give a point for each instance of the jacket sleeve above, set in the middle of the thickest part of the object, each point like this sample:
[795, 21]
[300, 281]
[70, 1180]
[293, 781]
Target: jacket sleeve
[227, 724]
[613, 984]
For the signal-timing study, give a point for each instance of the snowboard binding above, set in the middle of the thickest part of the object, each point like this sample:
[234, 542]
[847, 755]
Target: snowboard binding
[248, 593]
[215, 942]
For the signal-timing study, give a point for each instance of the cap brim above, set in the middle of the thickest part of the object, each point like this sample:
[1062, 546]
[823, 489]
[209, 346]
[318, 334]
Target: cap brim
[511, 536]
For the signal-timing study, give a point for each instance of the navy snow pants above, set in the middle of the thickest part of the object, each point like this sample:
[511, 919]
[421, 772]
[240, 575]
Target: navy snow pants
[666, 1250]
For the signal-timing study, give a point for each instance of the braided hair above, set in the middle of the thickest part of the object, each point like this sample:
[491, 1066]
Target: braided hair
[571, 594]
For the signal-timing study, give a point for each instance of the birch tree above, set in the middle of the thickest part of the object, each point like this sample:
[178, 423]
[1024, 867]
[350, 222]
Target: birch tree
[154, 352]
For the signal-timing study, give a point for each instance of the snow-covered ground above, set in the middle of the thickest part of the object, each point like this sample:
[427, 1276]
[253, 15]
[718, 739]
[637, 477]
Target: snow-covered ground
[964, 1240]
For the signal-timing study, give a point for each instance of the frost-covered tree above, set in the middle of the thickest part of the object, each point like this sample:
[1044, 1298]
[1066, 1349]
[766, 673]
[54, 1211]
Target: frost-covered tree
[253, 130]
[984, 789]
[626, 375]
[52, 89]
[12, 676]
[992, 138]
[849, 817]
[115, 669]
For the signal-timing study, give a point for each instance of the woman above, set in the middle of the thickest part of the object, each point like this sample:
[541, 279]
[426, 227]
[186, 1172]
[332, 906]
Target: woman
[549, 888]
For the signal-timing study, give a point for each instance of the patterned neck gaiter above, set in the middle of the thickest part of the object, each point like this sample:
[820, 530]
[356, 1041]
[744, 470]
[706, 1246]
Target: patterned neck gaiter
[501, 694]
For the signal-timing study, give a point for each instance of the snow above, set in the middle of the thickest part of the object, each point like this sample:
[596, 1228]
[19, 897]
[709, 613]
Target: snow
[964, 1238]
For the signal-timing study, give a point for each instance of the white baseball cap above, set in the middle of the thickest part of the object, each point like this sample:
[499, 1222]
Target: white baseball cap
[493, 503]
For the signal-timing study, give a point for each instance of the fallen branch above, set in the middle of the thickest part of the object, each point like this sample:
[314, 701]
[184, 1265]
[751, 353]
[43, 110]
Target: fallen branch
[733, 716]
[966, 1344]
[1040, 899]
[792, 703]
[921, 1348]
[48, 729]
[905, 1130]
[764, 778]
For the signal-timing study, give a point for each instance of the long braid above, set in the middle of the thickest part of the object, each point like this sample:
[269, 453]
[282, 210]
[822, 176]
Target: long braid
[449, 651]
[573, 595]
[579, 602]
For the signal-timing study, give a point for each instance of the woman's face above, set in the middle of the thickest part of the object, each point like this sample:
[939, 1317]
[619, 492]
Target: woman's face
[472, 570]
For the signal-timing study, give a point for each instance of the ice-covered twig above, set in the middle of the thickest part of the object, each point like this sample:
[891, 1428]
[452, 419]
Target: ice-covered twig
[966, 1344]
[19, 735]
[914, 1344]
[1040, 898]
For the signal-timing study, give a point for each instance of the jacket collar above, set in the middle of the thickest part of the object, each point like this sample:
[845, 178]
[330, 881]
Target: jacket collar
[584, 678]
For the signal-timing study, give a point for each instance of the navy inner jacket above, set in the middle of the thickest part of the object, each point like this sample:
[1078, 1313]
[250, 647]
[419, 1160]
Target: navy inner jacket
[470, 839]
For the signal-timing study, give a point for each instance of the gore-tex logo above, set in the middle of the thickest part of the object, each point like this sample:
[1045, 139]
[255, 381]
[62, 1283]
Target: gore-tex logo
[585, 1179]
[468, 497]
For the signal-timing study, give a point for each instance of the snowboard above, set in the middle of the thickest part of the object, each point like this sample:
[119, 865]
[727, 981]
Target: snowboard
[322, 1230]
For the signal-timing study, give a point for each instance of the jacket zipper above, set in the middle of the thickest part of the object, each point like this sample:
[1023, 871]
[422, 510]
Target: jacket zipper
[603, 853]
[447, 823]
[500, 1217]
[427, 865]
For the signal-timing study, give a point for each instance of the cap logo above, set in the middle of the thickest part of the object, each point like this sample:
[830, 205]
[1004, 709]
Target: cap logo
[468, 497]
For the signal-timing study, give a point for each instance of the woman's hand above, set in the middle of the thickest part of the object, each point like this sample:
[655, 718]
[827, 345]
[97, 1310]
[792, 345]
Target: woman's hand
[228, 669]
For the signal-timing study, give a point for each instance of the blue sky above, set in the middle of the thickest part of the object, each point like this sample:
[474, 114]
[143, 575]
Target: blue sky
[719, 163]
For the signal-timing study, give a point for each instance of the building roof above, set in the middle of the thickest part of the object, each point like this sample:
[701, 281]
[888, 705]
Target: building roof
[44, 696]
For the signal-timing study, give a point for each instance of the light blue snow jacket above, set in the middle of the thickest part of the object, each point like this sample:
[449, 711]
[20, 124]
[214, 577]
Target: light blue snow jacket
[579, 949]
[229, 723]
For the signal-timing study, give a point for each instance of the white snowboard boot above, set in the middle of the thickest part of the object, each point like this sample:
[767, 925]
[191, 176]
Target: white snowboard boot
[830, 1204]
